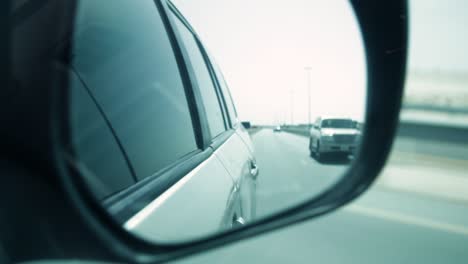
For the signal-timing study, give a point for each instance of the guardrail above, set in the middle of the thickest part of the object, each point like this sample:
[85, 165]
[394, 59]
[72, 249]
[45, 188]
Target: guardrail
[302, 131]
[436, 108]
[433, 132]
[423, 131]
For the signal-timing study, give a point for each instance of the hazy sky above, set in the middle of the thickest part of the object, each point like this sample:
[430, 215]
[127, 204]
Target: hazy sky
[263, 46]
[439, 35]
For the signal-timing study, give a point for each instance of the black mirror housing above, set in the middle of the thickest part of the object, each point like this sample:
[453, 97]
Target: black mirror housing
[45, 175]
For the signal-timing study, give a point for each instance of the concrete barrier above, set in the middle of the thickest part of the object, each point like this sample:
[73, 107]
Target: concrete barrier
[423, 131]
[296, 130]
[433, 132]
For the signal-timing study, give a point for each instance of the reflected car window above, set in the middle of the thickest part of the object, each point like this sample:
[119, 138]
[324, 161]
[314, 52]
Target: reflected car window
[226, 93]
[108, 169]
[118, 51]
[203, 79]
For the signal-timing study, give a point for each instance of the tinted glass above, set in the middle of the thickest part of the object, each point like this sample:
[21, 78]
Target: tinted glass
[122, 52]
[282, 73]
[338, 123]
[203, 79]
[95, 146]
[226, 94]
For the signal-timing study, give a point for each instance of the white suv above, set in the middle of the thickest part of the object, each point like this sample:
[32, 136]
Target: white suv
[333, 135]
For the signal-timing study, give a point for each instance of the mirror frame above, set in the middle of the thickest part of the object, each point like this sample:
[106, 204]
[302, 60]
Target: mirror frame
[45, 198]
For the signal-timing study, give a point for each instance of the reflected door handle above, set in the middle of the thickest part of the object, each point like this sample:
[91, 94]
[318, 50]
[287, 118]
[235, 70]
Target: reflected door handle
[238, 222]
[253, 169]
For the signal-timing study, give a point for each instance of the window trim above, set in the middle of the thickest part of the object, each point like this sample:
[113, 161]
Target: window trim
[233, 120]
[219, 93]
[199, 122]
[190, 75]
[125, 204]
[210, 141]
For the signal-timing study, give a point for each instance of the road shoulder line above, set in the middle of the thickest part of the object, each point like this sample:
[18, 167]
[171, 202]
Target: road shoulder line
[407, 219]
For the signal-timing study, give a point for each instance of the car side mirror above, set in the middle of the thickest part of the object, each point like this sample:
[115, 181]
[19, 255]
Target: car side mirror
[43, 160]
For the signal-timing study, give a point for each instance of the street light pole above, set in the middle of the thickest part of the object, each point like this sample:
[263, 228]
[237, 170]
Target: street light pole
[292, 106]
[308, 69]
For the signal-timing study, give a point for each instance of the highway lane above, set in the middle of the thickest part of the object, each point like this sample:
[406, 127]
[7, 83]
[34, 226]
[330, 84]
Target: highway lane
[383, 226]
[288, 175]
[347, 237]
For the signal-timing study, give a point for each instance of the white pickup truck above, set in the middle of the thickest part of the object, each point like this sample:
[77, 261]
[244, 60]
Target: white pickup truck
[333, 135]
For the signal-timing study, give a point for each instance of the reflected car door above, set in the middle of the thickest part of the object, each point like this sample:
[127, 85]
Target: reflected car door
[237, 154]
[219, 134]
[229, 147]
[173, 187]
[200, 203]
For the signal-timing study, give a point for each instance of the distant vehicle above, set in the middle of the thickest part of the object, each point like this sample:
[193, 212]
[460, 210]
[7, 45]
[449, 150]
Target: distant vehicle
[277, 129]
[333, 135]
[246, 124]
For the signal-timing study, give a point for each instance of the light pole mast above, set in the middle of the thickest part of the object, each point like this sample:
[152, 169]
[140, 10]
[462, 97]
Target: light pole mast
[308, 69]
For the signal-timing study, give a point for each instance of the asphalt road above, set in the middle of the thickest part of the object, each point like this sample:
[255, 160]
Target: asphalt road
[288, 175]
[385, 225]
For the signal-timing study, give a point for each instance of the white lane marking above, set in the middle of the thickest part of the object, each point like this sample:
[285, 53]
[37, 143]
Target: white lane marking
[156, 203]
[407, 219]
[399, 155]
[304, 162]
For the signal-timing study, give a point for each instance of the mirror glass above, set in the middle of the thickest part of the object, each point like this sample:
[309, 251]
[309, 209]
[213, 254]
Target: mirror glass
[195, 117]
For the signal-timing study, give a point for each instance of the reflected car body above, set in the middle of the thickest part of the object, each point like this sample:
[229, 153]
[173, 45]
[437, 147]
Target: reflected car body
[333, 135]
[174, 162]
